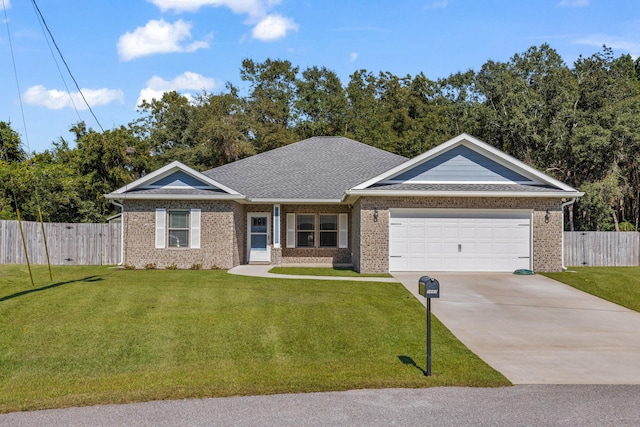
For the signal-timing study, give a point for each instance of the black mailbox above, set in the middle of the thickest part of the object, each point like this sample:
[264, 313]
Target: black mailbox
[429, 287]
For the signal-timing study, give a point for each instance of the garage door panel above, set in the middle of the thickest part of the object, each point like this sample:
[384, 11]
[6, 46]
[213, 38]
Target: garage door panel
[455, 241]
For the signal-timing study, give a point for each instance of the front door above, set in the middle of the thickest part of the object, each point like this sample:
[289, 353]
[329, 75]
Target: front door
[258, 232]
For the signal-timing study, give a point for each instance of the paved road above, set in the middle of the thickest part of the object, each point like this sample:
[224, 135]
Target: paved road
[535, 330]
[523, 405]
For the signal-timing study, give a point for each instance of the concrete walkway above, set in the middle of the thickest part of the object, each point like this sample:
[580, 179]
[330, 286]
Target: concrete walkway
[535, 330]
[263, 271]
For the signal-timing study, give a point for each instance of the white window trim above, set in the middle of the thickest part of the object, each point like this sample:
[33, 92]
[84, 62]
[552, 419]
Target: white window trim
[162, 228]
[315, 230]
[342, 232]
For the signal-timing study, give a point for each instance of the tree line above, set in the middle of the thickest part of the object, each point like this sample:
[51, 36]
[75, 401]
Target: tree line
[579, 124]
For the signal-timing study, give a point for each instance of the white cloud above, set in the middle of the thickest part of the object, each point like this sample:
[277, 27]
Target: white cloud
[186, 81]
[273, 27]
[353, 56]
[441, 4]
[158, 36]
[614, 42]
[7, 4]
[268, 27]
[54, 99]
[573, 3]
[255, 8]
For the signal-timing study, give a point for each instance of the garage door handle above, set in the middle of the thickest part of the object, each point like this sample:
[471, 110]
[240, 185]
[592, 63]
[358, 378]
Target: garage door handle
[395, 256]
[459, 248]
[524, 257]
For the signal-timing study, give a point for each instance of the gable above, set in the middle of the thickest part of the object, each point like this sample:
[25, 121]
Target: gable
[464, 166]
[460, 164]
[175, 181]
[178, 179]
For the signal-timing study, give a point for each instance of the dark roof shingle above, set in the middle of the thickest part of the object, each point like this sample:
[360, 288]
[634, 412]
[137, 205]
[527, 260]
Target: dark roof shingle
[318, 168]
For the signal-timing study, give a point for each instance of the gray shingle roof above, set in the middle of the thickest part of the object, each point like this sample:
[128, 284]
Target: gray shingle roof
[315, 168]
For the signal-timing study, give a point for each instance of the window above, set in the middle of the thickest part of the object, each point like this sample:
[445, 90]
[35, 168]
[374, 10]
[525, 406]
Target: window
[178, 229]
[317, 230]
[328, 231]
[305, 230]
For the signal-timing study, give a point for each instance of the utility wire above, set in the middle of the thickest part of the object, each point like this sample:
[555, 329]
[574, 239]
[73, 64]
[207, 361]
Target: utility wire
[55, 60]
[35, 5]
[15, 73]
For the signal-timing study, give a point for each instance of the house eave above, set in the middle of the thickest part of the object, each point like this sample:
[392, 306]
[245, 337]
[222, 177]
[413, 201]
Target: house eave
[295, 201]
[503, 194]
[113, 196]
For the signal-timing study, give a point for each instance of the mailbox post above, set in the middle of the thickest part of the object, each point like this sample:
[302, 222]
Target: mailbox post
[428, 288]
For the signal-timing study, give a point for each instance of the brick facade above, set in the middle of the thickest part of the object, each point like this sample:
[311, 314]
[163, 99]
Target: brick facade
[373, 254]
[224, 232]
[218, 238]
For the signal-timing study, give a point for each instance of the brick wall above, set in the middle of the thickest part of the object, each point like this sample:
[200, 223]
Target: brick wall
[373, 254]
[218, 240]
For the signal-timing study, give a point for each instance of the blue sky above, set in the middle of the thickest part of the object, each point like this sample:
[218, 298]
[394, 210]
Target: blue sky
[120, 51]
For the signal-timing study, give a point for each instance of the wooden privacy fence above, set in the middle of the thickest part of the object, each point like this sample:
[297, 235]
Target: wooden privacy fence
[69, 244]
[602, 248]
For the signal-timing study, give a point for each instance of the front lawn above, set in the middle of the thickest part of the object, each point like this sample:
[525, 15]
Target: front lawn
[620, 285]
[98, 335]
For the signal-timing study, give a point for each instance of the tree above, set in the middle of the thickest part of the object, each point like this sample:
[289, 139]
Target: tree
[107, 161]
[10, 144]
[270, 105]
[222, 130]
[321, 104]
[166, 126]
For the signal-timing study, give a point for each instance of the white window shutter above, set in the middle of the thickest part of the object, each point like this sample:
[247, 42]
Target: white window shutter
[194, 238]
[291, 230]
[161, 227]
[343, 230]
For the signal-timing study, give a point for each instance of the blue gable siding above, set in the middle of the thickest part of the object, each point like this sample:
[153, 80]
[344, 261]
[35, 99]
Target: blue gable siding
[179, 179]
[460, 164]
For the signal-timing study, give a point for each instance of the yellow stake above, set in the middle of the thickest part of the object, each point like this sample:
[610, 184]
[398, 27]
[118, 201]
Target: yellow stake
[24, 245]
[46, 248]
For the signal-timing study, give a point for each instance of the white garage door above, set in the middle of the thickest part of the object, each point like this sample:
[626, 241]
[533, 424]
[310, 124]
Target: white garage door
[436, 240]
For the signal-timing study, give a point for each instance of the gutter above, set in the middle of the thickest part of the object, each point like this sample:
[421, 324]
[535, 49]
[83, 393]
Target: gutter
[113, 196]
[428, 193]
[565, 204]
[121, 206]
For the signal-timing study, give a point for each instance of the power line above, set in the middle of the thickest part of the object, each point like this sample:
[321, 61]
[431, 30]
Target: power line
[35, 5]
[15, 73]
[55, 60]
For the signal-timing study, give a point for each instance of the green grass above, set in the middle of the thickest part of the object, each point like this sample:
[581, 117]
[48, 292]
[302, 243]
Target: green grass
[323, 271]
[98, 335]
[620, 285]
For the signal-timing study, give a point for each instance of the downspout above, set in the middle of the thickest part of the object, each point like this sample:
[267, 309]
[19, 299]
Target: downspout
[565, 204]
[121, 206]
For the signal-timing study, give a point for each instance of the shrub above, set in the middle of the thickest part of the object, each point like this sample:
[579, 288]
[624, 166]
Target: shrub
[626, 226]
[172, 266]
[150, 266]
[196, 266]
[129, 267]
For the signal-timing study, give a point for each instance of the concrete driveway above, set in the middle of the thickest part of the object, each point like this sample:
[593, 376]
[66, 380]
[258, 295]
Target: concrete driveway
[535, 330]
